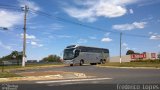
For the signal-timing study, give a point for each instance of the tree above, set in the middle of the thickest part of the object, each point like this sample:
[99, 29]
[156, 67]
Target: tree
[51, 58]
[159, 55]
[15, 55]
[130, 52]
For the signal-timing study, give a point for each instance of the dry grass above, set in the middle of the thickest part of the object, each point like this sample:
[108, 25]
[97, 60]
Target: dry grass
[134, 64]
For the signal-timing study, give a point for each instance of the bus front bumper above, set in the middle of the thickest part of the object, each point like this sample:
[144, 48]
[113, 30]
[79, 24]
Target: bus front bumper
[68, 61]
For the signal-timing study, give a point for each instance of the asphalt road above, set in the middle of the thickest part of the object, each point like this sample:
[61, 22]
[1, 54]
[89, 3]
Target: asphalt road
[118, 75]
[101, 77]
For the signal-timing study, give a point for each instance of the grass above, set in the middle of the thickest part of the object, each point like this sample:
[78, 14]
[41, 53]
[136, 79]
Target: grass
[133, 64]
[28, 66]
[7, 69]
[8, 74]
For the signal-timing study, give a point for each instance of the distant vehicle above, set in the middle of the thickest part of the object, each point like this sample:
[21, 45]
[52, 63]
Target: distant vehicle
[75, 54]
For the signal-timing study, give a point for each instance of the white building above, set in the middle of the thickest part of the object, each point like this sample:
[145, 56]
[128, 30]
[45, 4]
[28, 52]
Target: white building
[132, 57]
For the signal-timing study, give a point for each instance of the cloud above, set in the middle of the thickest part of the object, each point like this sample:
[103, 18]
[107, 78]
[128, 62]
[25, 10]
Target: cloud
[92, 37]
[125, 46]
[80, 41]
[98, 8]
[158, 20]
[30, 4]
[56, 26]
[32, 40]
[28, 36]
[134, 25]
[150, 33]
[81, 14]
[35, 44]
[10, 18]
[148, 2]
[5, 46]
[148, 18]
[51, 37]
[64, 36]
[131, 11]
[107, 34]
[106, 40]
[154, 36]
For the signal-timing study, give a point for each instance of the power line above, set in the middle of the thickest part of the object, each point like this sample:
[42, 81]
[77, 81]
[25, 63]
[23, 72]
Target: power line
[71, 22]
[87, 26]
[50, 16]
[10, 7]
[136, 35]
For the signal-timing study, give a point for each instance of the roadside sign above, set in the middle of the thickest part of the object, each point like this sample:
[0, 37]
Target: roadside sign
[153, 55]
[137, 56]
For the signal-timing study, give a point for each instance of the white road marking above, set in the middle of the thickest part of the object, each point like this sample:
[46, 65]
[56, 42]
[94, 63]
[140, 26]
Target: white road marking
[66, 83]
[75, 80]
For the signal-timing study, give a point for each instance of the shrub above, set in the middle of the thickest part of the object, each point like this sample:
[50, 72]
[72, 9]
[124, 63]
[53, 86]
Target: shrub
[148, 60]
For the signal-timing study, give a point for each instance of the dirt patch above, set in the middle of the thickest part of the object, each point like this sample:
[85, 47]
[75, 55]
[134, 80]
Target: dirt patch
[41, 73]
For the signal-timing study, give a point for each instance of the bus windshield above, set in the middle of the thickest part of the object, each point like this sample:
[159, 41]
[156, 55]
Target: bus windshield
[68, 54]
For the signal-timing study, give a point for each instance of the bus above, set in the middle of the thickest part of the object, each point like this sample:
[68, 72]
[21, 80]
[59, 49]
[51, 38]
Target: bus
[76, 54]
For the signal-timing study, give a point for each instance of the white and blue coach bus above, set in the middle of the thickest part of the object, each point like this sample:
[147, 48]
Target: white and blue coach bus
[75, 54]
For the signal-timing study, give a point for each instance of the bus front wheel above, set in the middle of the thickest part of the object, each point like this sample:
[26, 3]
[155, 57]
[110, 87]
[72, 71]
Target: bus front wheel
[81, 62]
[102, 61]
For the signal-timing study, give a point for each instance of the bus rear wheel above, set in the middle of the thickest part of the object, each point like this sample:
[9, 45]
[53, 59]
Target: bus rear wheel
[81, 62]
[71, 64]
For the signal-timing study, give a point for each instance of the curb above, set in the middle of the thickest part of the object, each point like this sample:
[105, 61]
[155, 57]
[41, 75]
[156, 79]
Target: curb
[46, 77]
[29, 78]
[36, 67]
[130, 67]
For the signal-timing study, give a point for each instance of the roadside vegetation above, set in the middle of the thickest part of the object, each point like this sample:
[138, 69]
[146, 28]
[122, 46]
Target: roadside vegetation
[6, 71]
[13, 67]
[8, 74]
[136, 63]
[14, 60]
[51, 58]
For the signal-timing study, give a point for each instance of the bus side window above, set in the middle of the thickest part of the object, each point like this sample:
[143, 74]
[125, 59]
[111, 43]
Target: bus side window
[77, 53]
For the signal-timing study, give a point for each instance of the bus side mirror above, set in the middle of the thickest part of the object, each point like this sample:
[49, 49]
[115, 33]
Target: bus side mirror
[76, 53]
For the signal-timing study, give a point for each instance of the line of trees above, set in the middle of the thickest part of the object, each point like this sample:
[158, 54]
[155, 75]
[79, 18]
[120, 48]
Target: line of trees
[159, 55]
[15, 55]
[51, 58]
[130, 52]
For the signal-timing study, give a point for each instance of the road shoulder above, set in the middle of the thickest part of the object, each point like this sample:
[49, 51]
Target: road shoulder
[128, 67]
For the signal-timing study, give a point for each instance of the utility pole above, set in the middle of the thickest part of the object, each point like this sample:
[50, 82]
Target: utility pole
[24, 58]
[120, 47]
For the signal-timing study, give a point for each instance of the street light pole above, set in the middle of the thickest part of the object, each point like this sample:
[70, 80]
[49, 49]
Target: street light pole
[24, 58]
[120, 47]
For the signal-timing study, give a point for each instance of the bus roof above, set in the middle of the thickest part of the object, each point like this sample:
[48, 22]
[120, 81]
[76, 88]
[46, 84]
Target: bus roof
[82, 47]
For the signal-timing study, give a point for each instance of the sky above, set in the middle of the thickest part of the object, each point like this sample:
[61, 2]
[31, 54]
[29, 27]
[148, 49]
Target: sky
[54, 24]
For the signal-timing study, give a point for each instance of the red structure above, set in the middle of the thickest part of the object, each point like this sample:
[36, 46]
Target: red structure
[138, 56]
